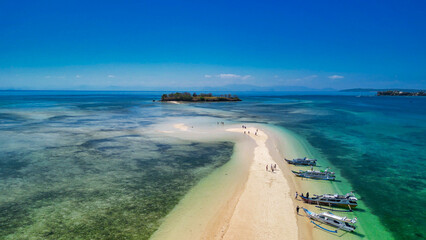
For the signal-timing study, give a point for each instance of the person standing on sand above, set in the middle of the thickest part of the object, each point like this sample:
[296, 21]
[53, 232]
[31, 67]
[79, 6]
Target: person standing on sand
[307, 194]
[297, 209]
[266, 167]
[275, 166]
[296, 195]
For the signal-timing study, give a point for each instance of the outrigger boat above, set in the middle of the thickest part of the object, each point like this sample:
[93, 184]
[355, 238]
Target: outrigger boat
[333, 200]
[302, 161]
[332, 220]
[313, 174]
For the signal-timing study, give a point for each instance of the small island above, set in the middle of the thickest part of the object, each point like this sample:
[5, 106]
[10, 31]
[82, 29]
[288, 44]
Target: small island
[400, 93]
[202, 97]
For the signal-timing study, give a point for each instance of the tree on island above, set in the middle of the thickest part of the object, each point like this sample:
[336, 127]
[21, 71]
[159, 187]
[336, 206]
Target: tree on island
[400, 93]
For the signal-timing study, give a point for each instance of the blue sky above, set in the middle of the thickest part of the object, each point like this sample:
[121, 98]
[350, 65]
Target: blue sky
[154, 45]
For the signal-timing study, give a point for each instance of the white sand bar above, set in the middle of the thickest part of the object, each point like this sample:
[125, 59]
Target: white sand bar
[265, 209]
[240, 200]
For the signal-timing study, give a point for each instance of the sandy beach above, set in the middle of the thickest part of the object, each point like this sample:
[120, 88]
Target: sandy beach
[265, 209]
[241, 200]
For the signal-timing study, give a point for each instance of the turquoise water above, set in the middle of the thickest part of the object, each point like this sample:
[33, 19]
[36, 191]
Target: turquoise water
[81, 163]
[86, 167]
[377, 143]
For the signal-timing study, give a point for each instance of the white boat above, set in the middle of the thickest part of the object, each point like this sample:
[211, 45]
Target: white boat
[313, 174]
[329, 218]
[333, 200]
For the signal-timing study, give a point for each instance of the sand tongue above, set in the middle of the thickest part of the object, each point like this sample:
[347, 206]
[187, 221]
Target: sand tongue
[264, 210]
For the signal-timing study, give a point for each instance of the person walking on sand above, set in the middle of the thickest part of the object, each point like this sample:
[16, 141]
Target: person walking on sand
[297, 209]
[266, 167]
[275, 166]
[296, 195]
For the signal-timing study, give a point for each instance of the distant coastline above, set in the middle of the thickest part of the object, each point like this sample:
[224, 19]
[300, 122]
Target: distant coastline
[400, 93]
[389, 92]
[203, 97]
[380, 90]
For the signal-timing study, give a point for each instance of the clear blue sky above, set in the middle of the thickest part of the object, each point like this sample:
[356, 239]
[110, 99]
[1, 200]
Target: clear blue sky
[142, 45]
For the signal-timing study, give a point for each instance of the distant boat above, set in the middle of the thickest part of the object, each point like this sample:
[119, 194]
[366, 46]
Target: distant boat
[333, 200]
[313, 174]
[302, 161]
[329, 218]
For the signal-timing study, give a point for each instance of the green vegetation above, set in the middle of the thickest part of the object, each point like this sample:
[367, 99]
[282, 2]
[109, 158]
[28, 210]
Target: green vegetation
[400, 93]
[203, 97]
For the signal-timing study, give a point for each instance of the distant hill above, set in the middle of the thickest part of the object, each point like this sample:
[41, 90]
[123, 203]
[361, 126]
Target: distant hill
[248, 87]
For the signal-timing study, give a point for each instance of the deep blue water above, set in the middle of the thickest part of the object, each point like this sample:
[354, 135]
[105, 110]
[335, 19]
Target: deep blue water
[378, 143]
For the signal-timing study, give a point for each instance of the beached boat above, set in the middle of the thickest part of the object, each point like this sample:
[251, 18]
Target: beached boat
[302, 161]
[329, 218]
[313, 174]
[333, 200]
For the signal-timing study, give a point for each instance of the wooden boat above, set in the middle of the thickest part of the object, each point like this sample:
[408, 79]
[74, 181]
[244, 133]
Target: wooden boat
[302, 161]
[313, 174]
[333, 200]
[329, 218]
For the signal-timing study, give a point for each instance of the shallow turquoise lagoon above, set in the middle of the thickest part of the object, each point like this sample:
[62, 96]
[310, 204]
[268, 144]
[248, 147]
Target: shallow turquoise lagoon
[80, 164]
[377, 143]
[83, 167]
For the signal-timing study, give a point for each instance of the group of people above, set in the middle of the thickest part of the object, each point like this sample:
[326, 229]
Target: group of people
[245, 127]
[273, 167]
[248, 132]
[296, 195]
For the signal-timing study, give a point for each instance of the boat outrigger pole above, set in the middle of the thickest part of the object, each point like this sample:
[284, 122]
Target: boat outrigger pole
[334, 210]
[323, 228]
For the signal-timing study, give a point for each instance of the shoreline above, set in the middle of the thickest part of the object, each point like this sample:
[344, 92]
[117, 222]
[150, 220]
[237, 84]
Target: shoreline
[369, 225]
[240, 200]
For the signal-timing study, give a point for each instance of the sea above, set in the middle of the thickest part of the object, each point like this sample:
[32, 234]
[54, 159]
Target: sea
[87, 165]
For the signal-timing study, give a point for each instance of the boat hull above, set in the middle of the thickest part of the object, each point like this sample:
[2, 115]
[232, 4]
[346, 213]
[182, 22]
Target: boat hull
[322, 177]
[328, 203]
[301, 163]
[331, 222]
